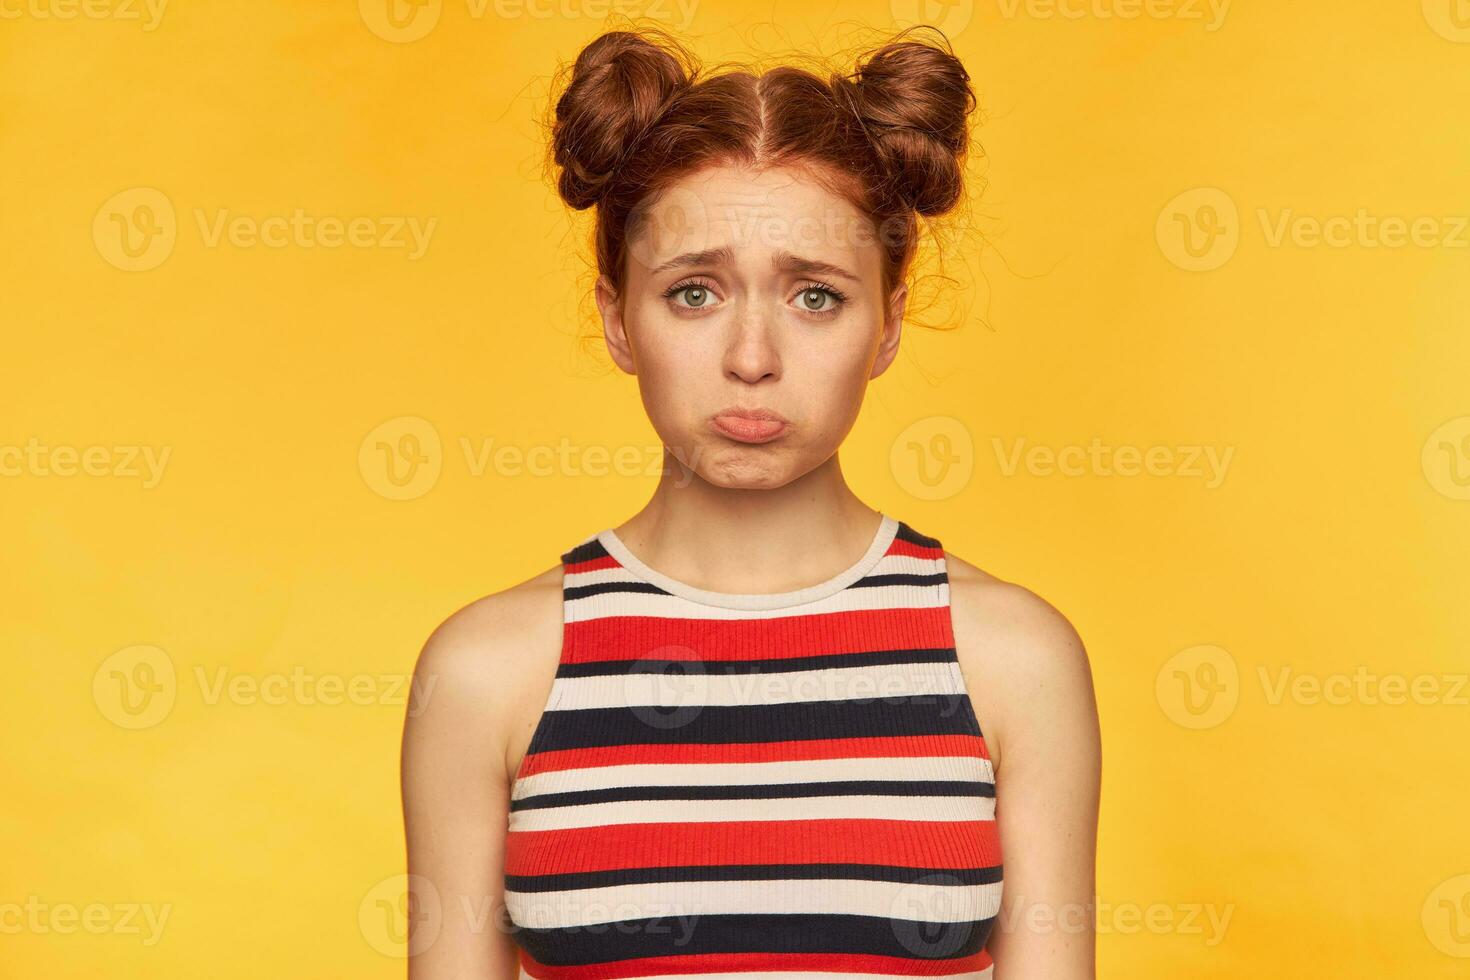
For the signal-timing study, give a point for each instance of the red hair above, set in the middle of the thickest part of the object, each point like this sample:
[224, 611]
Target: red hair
[638, 114]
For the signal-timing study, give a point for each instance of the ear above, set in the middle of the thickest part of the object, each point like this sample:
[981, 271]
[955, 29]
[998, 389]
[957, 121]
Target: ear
[892, 329]
[614, 329]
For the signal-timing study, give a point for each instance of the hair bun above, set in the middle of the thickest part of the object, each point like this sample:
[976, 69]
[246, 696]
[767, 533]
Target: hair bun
[620, 85]
[914, 99]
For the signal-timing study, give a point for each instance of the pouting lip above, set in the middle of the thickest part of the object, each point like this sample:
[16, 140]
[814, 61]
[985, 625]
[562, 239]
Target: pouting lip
[763, 414]
[749, 425]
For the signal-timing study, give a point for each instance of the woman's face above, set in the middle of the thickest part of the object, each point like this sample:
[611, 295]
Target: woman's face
[753, 317]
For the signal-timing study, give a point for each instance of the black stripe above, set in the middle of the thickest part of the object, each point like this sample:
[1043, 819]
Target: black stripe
[906, 533]
[895, 717]
[775, 665]
[587, 551]
[900, 578]
[760, 791]
[574, 880]
[603, 588]
[694, 934]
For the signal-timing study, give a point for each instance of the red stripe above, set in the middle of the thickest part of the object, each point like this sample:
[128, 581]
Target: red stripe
[590, 565]
[868, 747]
[857, 631]
[760, 963]
[908, 548]
[840, 840]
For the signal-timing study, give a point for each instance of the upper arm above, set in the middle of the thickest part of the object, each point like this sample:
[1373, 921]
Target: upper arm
[473, 670]
[1041, 723]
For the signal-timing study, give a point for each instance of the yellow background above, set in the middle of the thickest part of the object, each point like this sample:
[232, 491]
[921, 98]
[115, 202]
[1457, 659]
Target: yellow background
[1331, 834]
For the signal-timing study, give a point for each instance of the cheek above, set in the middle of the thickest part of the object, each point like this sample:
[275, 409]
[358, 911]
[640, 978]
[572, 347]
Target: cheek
[831, 381]
[674, 373]
[840, 360]
[658, 378]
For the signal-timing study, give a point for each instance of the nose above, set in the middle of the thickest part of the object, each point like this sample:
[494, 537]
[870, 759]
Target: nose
[752, 355]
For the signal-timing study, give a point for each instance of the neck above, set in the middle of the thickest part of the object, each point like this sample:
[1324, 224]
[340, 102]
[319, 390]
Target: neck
[751, 540]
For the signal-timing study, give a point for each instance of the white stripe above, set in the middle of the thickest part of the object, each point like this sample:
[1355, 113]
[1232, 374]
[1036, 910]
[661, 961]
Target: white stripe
[887, 565]
[967, 768]
[938, 900]
[698, 685]
[598, 576]
[851, 599]
[908, 808]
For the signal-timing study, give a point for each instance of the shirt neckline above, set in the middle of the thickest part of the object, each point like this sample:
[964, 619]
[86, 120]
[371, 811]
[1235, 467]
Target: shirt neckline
[882, 538]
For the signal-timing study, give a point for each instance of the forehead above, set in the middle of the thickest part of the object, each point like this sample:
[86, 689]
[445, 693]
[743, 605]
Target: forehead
[754, 214]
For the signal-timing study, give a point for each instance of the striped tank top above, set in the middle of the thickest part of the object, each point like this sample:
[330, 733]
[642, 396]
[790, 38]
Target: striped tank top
[728, 784]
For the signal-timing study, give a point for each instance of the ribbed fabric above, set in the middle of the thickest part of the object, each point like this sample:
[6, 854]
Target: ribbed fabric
[722, 785]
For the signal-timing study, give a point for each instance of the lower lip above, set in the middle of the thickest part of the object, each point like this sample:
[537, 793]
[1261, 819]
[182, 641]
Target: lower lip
[748, 430]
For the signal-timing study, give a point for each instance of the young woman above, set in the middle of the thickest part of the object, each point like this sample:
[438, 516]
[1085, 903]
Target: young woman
[741, 732]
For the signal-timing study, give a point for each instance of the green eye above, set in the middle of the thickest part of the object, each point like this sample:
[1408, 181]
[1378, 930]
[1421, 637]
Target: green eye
[813, 299]
[695, 295]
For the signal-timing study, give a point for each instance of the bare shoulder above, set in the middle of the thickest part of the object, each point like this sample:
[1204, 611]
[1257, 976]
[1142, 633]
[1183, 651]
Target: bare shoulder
[485, 661]
[478, 640]
[1027, 667]
[992, 609]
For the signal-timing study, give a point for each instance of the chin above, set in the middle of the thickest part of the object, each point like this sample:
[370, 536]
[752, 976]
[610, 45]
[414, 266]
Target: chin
[737, 467]
[741, 480]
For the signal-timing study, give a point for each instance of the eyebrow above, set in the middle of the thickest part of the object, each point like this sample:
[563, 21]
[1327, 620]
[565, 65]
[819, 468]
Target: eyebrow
[782, 262]
[710, 256]
[787, 262]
